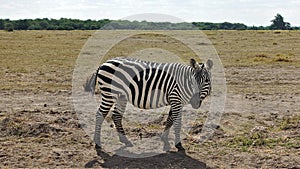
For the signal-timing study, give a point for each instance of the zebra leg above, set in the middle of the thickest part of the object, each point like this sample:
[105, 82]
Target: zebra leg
[117, 116]
[177, 128]
[176, 117]
[165, 135]
[102, 112]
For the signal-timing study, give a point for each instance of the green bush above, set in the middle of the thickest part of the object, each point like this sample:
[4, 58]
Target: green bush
[9, 27]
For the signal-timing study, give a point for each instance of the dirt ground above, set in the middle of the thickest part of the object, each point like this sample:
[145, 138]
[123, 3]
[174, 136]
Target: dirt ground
[260, 127]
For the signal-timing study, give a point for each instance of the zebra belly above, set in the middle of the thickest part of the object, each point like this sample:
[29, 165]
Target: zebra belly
[143, 99]
[150, 100]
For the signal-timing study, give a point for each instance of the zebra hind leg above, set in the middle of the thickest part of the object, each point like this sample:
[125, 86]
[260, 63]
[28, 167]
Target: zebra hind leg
[100, 116]
[117, 116]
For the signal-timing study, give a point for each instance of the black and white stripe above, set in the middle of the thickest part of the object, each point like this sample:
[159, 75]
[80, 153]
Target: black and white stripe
[149, 85]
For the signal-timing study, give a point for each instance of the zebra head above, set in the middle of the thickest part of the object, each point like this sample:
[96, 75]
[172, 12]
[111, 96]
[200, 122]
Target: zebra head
[202, 82]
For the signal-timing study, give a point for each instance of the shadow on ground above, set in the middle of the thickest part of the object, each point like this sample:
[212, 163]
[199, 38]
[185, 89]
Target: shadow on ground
[172, 160]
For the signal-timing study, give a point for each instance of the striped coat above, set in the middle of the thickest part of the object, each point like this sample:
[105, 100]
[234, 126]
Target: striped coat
[149, 85]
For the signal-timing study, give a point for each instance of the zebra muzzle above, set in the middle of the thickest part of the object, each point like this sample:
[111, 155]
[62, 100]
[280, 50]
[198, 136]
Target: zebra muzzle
[196, 101]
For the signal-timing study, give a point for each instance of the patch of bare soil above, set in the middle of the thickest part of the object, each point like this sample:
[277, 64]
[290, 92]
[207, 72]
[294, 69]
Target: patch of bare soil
[42, 130]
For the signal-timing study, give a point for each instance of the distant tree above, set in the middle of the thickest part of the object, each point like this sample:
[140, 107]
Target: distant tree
[22, 24]
[44, 24]
[239, 26]
[226, 25]
[52, 27]
[2, 24]
[9, 27]
[278, 23]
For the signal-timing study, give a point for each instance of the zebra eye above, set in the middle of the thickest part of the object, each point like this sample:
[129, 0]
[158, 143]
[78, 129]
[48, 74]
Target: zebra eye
[206, 80]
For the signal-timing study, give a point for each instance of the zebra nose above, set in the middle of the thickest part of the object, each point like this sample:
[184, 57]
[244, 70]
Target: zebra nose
[196, 104]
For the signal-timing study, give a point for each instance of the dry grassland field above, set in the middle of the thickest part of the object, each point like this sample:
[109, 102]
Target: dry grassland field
[260, 127]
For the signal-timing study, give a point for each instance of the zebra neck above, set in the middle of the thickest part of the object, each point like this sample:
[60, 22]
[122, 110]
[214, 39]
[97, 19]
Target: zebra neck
[186, 82]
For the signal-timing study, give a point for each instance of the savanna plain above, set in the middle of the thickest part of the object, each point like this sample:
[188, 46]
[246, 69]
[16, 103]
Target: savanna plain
[260, 127]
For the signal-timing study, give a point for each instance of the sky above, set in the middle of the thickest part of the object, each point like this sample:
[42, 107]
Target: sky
[249, 12]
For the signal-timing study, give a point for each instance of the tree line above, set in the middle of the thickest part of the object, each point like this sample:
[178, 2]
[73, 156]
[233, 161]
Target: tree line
[76, 24]
[277, 23]
[51, 24]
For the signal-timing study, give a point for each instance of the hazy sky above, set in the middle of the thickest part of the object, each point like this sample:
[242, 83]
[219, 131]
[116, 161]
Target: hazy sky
[249, 12]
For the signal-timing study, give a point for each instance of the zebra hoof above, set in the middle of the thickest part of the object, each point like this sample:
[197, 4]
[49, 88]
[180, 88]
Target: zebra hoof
[179, 147]
[128, 144]
[167, 147]
[98, 149]
[124, 140]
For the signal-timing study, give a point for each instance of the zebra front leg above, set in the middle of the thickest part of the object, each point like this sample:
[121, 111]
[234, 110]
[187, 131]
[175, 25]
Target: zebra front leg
[177, 128]
[176, 117]
[165, 135]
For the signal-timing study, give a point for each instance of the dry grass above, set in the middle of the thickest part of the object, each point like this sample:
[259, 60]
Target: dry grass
[39, 59]
[151, 40]
[252, 48]
[44, 60]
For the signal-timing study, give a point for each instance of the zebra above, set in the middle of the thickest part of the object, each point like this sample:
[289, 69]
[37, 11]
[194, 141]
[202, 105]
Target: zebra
[148, 85]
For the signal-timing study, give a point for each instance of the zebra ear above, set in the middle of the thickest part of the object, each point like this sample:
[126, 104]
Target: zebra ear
[194, 64]
[209, 64]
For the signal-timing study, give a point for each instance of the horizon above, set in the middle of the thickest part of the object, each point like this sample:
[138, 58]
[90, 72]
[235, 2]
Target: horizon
[248, 12]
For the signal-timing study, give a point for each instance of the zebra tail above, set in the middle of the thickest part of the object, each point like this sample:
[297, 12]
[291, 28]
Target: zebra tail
[90, 84]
